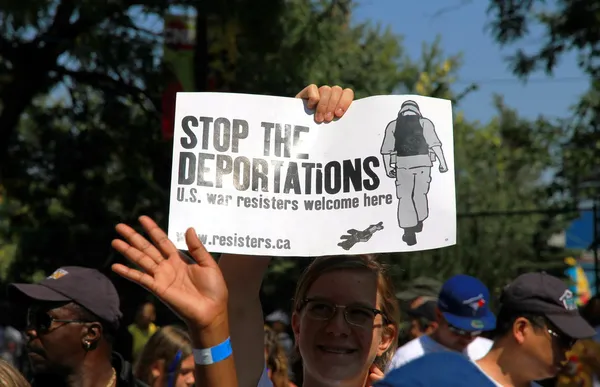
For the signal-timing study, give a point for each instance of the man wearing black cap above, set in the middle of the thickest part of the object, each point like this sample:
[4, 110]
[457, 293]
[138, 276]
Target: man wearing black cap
[72, 316]
[537, 324]
[410, 145]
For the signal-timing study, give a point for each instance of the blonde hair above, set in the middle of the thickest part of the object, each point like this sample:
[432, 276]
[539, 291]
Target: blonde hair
[162, 345]
[385, 288]
[277, 361]
[10, 377]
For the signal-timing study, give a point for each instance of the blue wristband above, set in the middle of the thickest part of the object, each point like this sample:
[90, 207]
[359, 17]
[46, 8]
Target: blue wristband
[213, 355]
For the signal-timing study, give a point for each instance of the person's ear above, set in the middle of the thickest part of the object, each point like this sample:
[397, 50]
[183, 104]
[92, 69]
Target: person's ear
[432, 327]
[521, 328]
[91, 335]
[296, 326]
[156, 369]
[388, 335]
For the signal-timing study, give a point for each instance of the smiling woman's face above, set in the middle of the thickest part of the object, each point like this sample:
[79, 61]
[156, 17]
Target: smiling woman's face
[332, 349]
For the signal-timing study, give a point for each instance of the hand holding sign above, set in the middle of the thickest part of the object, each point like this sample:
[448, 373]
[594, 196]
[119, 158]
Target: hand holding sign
[329, 101]
[194, 290]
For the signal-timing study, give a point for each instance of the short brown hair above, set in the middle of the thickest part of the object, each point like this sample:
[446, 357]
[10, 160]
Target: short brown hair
[368, 263]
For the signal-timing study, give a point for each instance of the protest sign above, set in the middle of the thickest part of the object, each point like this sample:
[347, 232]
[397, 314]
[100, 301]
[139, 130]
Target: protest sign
[256, 175]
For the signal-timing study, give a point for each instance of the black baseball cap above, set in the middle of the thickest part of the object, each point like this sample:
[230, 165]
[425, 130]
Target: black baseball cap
[541, 293]
[84, 286]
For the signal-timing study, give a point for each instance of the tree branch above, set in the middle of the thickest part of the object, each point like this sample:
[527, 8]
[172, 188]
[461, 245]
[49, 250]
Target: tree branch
[61, 18]
[109, 84]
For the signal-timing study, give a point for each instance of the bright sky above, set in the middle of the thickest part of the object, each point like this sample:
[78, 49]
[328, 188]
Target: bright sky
[462, 28]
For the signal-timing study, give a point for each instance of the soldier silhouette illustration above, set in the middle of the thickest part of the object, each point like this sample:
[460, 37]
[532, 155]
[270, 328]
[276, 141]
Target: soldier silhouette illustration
[410, 147]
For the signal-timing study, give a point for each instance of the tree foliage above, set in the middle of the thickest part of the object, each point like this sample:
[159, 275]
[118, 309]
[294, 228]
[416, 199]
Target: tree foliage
[80, 145]
[567, 26]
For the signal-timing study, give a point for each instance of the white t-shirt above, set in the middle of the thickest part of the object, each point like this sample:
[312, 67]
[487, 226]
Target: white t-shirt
[425, 344]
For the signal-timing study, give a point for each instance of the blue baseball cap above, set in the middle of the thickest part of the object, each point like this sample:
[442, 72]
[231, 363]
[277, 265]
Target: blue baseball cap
[464, 303]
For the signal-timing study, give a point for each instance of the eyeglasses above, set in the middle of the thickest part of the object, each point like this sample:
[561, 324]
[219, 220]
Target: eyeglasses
[462, 332]
[360, 316]
[41, 321]
[563, 340]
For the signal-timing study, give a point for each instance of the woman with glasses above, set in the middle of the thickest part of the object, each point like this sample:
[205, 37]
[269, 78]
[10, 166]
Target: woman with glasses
[345, 321]
[345, 317]
[166, 360]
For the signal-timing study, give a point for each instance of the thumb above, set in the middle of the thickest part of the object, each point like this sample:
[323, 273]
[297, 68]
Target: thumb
[375, 375]
[197, 249]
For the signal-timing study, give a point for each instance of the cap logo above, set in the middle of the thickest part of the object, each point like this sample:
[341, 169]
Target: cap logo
[58, 274]
[568, 300]
[475, 303]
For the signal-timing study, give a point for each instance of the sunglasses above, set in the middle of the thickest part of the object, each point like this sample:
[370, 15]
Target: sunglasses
[41, 321]
[564, 341]
[462, 332]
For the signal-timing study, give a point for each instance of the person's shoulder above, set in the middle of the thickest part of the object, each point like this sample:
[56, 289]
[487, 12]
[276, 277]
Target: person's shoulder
[409, 350]
[482, 343]
[124, 370]
[483, 340]
[451, 369]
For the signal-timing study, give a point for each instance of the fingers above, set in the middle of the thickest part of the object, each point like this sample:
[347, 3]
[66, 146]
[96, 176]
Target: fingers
[310, 93]
[376, 372]
[133, 275]
[135, 256]
[375, 375]
[344, 102]
[197, 249]
[334, 99]
[333, 102]
[325, 96]
[139, 242]
[158, 236]
[330, 102]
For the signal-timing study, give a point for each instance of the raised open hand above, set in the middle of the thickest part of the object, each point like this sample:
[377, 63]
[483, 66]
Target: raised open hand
[194, 289]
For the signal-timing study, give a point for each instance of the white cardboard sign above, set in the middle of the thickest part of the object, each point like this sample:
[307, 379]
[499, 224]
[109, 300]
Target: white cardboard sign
[256, 175]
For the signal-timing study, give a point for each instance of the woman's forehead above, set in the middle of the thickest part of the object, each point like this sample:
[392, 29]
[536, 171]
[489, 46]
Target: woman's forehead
[345, 286]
